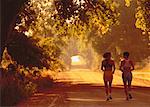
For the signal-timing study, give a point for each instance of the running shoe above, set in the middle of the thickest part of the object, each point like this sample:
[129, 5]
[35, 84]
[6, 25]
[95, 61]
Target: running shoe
[110, 97]
[130, 96]
[107, 99]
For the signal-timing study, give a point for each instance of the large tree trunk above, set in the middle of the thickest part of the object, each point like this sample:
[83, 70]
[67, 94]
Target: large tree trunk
[9, 11]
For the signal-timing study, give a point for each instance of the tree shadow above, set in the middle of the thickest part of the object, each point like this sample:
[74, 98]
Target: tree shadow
[64, 94]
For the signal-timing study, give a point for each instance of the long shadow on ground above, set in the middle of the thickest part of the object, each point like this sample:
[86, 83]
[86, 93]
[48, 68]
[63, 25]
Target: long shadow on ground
[86, 95]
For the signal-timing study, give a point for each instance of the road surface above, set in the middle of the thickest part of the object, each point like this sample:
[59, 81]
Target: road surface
[84, 88]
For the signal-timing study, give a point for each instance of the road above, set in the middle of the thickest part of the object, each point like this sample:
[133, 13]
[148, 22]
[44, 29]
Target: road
[84, 88]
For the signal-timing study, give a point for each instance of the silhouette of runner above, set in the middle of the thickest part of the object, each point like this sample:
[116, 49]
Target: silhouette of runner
[108, 67]
[126, 67]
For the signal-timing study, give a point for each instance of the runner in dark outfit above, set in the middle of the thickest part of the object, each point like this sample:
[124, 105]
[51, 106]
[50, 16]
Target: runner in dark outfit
[126, 67]
[108, 67]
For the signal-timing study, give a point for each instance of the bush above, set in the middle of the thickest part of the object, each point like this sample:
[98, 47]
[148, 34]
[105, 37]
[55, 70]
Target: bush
[14, 87]
[19, 82]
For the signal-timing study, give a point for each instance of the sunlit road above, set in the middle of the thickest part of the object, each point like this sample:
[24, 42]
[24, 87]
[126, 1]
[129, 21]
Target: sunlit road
[84, 88]
[82, 76]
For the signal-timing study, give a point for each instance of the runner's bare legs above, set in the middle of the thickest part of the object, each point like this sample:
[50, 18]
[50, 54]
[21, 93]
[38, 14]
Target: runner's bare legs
[106, 87]
[110, 84]
[126, 89]
[129, 89]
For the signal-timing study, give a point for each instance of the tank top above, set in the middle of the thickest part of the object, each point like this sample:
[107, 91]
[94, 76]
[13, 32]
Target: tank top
[108, 64]
[127, 65]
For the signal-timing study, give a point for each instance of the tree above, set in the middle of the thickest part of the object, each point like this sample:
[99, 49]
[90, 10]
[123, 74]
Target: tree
[50, 21]
[69, 17]
[143, 16]
[10, 10]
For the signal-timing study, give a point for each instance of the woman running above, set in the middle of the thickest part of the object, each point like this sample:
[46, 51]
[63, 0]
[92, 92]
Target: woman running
[126, 67]
[108, 67]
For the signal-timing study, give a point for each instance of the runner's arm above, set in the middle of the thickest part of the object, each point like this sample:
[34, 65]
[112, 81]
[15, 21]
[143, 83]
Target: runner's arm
[114, 67]
[102, 66]
[121, 66]
[132, 65]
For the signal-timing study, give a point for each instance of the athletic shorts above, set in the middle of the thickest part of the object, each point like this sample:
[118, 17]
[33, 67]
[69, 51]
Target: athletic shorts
[127, 76]
[108, 76]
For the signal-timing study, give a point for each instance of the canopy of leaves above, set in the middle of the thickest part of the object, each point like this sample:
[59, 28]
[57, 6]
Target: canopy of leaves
[143, 15]
[51, 22]
[68, 17]
[128, 3]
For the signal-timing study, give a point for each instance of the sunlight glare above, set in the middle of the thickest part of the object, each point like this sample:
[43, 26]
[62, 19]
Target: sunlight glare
[77, 60]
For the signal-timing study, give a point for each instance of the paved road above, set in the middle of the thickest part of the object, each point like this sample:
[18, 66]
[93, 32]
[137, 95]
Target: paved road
[83, 88]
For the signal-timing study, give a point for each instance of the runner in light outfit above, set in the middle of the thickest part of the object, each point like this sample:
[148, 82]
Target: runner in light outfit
[126, 67]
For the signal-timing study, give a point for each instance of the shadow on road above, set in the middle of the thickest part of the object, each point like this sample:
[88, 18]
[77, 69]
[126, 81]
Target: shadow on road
[86, 95]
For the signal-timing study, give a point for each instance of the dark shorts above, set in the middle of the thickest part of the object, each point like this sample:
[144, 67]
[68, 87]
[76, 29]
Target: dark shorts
[127, 77]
